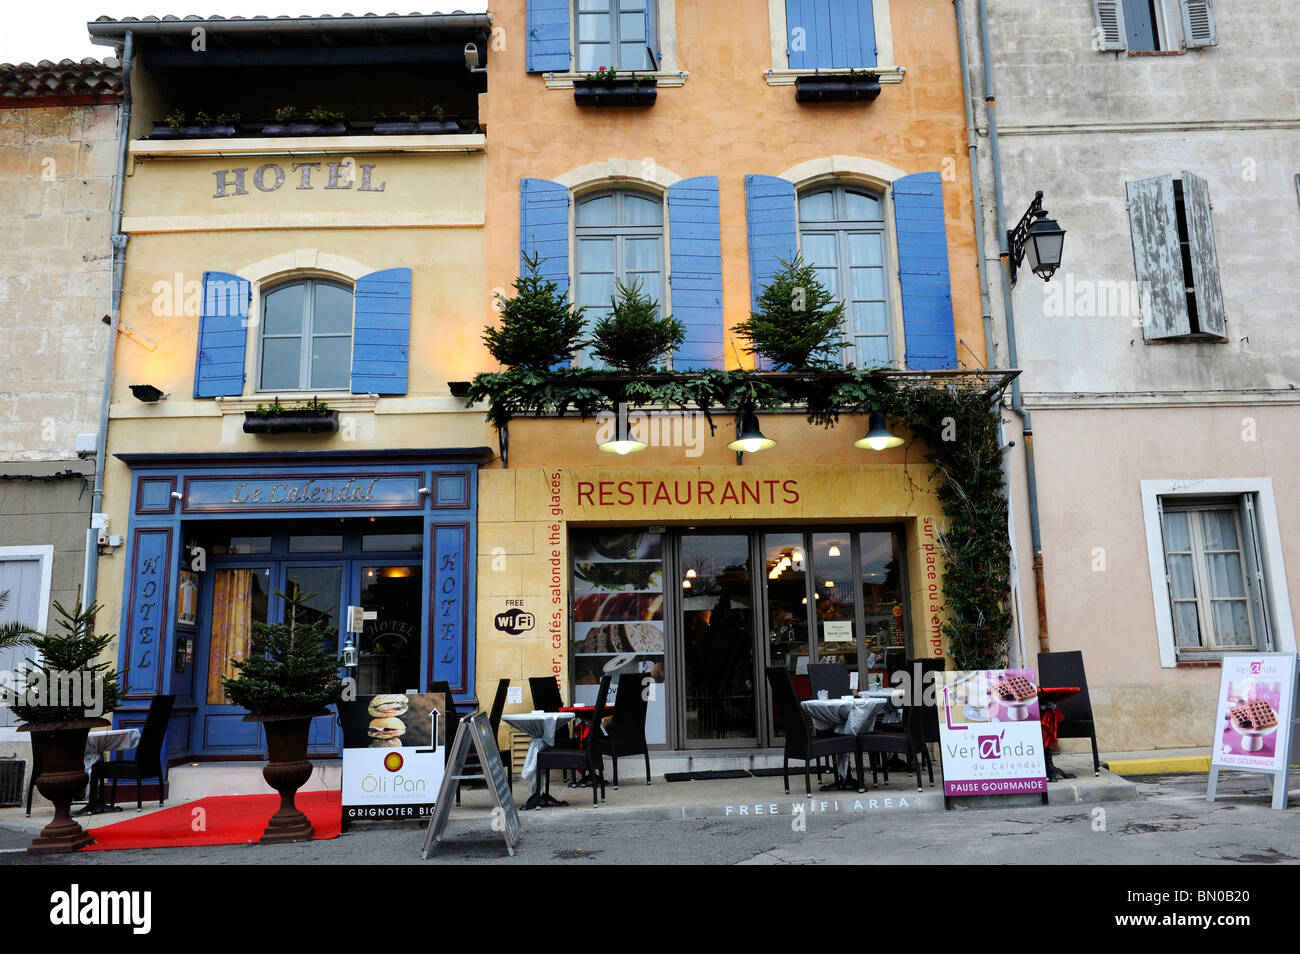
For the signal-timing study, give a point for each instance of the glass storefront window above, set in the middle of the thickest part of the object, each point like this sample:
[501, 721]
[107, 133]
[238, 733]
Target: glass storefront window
[618, 615]
[787, 600]
[882, 592]
[718, 632]
[389, 659]
[832, 569]
[242, 545]
[391, 543]
[240, 598]
[316, 543]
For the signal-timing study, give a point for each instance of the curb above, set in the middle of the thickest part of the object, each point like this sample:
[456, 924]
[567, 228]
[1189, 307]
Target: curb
[1160, 765]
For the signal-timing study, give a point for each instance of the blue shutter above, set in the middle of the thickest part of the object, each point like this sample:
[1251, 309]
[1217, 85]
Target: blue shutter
[931, 342]
[544, 228]
[652, 32]
[836, 34]
[223, 335]
[548, 36]
[771, 232]
[381, 332]
[695, 240]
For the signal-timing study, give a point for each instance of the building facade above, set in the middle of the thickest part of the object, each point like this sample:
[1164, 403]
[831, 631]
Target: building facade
[1160, 363]
[58, 129]
[683, 562]
[307, 285]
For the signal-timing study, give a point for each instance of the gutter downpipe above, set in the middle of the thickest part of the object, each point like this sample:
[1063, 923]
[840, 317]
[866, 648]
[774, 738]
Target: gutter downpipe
[119, 239]
[1017, 403]
[986, 309]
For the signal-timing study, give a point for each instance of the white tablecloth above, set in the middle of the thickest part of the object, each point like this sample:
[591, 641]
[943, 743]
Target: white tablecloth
[846, 717]
[542, 728]
[109, 740]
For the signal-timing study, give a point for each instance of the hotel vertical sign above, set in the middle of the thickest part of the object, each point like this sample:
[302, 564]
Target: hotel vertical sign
[148, 618]
[447, 606]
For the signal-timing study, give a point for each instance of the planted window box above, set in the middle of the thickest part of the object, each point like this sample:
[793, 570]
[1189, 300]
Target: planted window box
[608, 88]
[202, 126]
[289, 121]
[314, 417]
[852, 87]
[416, 125]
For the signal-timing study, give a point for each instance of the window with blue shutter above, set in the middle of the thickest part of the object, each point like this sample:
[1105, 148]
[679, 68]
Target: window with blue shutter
[381, 335]
[696, 277]
[830, 34]
[544, 228]
[547, 49]
[770, 229]
[223, 335]
[931, 341]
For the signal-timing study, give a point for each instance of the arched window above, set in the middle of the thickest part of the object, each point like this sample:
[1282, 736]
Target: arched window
[306, 337]
[620, 237]
[842, 234]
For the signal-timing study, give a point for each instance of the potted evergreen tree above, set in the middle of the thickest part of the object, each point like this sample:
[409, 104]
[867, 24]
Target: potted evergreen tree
[539, 327]
[63, 695]
[632, 337]
[289, 677]
[799, 323]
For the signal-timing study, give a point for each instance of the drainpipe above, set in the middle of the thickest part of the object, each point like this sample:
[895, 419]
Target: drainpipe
[986, 309]
[1017, 404]
[118, 239]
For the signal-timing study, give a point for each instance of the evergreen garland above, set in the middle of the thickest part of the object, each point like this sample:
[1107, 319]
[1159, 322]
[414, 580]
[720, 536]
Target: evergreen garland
[956, 427]
[291, 666]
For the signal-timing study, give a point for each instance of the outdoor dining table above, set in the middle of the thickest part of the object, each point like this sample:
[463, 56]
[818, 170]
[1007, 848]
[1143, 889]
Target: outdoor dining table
[98, 744]
[542, 727]
[1050, 718]
[847, 716]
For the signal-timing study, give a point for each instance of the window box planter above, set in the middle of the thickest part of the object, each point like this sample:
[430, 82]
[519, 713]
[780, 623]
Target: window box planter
[305, 127]
[297, 421]
[163, 130]
[621, 91]
[837, 88]
[424, 126]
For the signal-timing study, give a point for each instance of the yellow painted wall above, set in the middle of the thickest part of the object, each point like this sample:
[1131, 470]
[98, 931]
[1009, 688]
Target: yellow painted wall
[206, 233]
[727, 121]
[526, 512]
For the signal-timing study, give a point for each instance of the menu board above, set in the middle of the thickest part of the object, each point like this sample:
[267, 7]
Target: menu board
[1256, 706]
[618, 615]
[392, 756]
[989, 735]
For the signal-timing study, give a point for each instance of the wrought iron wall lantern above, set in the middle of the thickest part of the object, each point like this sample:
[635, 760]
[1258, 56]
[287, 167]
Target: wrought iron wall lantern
[1039, 237]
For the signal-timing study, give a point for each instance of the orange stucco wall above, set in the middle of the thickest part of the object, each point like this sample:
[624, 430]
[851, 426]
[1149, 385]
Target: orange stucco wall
[727, 121]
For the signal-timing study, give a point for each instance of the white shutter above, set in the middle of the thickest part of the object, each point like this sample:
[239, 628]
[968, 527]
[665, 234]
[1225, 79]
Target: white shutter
[1198, 24]
[1255, 571]
[1210, 313]
[1157, 258]
[1109, 16]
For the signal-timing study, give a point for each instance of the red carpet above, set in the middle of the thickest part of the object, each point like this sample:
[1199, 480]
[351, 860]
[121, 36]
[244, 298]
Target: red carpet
[225, 820]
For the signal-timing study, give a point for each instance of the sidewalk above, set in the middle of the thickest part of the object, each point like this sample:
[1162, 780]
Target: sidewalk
[724, 798]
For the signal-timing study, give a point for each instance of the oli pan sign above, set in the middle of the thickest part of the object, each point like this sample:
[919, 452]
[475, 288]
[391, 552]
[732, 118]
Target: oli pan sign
[989, 733]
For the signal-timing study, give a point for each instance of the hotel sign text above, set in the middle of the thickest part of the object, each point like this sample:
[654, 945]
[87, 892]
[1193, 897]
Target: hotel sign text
[271, 176]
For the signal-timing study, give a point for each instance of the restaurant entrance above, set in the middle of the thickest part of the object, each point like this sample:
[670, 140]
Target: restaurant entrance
[706, 611]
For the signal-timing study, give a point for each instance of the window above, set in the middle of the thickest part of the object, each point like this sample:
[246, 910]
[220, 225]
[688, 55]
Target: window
[306, 337]
[1213, 543]
[620, 237]
[842, 234]
[615, 34]
[1174, 258]
[1208, 564]
[1150, 26]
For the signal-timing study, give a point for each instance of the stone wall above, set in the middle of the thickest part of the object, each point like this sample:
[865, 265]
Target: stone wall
[56, 184]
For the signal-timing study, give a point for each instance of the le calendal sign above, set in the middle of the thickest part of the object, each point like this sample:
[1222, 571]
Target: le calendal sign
[297, 492]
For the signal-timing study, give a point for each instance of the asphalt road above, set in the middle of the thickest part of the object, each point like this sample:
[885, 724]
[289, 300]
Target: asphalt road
[1170, 824]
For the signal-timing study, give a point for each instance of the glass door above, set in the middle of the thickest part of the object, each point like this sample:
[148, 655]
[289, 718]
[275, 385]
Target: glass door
[718, 686]
[322, 588]
[389, 646]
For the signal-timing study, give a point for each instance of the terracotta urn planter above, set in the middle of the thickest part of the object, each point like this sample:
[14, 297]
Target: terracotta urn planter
[63, 777]
[287, 769]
